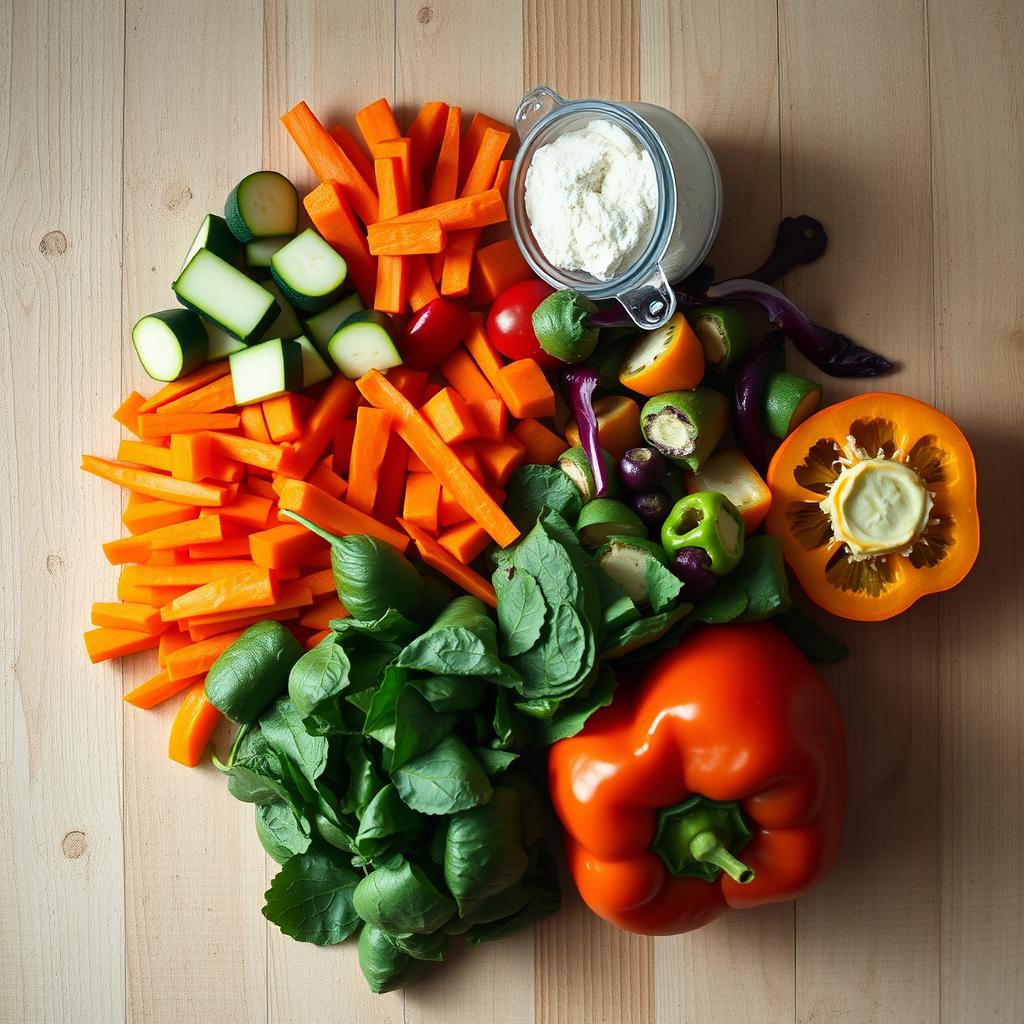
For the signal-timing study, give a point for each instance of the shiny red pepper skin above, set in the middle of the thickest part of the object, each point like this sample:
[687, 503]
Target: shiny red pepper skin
[734, 713]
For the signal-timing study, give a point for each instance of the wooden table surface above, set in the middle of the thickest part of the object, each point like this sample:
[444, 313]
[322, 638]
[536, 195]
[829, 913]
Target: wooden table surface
[133, 886]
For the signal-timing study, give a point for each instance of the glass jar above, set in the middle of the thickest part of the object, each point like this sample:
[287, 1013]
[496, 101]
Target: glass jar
[689, 207]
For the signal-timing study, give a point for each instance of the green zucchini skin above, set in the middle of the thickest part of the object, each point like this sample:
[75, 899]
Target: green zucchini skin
[183, 332]
[244, 215]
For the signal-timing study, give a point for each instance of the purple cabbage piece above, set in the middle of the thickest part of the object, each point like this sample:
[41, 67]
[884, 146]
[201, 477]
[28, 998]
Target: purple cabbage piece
[580, 383]
[750, 379]
[799, 240]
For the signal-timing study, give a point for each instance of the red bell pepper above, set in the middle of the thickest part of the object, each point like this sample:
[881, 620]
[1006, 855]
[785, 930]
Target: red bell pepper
[716, 780]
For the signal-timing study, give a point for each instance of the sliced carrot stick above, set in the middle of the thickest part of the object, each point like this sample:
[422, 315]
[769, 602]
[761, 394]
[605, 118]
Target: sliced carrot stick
[320, 615]
[438, 558]
[464, 541]
[193, 727]
[171, 641]
[212, 397]
[141, 453]
[105, 643]
[422, 500]
[484, 167]
[151, 515]
[285, 416]
[259, 487]
[127, 413]
[320, 583]
[198, 658]
[500, 459]
[154, 424]
[449, 511]
[194, 574]
[335, 405]
[476, 211]
[497, 267]
[391, 485]
[284, 545]
[526, 390]
[420, 284]
[391, 292]
[406, 239]
[464, 375]
[376, 122]
[458, 262]
[156, 485]
[244, 589]
[192, 456]
[254, 426]
[491, 418]
[251, 510]
[141, 545]
[231, 547]
[157, 689]
[474, 137]
[400, 149]
[426, 132]
[351, 148]
[329, 162]
[167, 556]
[183, 385]
[438, 457]
[543, 446]
[502, 178]
[484, 354]
[449, 415]
[327, 480]
[332, 216]
[294, 594]
[124, 615]
[315, 638]
[204, 632]
[335, 516]
[368, 445]
[252, 453]
[444, 185]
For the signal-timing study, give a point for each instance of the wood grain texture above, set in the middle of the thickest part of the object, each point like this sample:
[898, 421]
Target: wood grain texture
[134, 886]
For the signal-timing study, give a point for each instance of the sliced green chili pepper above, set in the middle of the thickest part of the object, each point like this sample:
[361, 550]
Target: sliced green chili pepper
[723, 334]
[709, 521]
[685, 426]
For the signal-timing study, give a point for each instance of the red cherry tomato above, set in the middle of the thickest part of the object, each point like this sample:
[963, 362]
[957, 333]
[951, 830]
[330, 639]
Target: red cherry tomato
[510, 323]
[432, 333]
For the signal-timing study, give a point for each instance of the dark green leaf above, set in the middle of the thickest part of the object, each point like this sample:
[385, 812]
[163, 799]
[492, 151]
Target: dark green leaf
[645, 631]
[761, 574]
[494, 761]
[511, 729]
[386, 815]
[283, 729]
[545, 899]
[316, 681]
[423, 947]
[282, 834]
[364, 779]
[521, 612]
[663, 587]
[403, 722]
[384, 965]
[534, 809]
[533, 488]
[539, 707]
[391, 627]
[816, 643]
[338, 833]
[572, 715]
[399, 898]
[443, 780]
[505, 903]
[451, 693]
[725, 604]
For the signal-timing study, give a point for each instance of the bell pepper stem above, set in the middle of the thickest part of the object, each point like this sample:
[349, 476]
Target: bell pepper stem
[706, 846]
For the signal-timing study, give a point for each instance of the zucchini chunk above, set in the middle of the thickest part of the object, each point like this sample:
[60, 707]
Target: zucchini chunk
[261, 205]
[308, 271]
[266, 370]
[362, 343]
[215, 235]
[170, 344]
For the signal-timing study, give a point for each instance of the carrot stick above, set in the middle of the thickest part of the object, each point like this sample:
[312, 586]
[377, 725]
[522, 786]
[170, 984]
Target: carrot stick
[140, 453]
[438, 457]
[231, 547]
[157, 689]
[284, 545]
[183, 385]
[406, 239]
[376, 122]
[127, 413]
[438, 558]
[294, 594]
[250, 510]
[332, 216]
[458, 262]
[154, 424]
[401, 150]
[464, 375]
[155, 484]
[351, 148]
[167, 556]
[368, 446]
[412, 384]
[526, 390]
[335, 405]
[392, 284]
[327, 480]
[212, 397]
[445, 183]
[204, 632]
[247, 588]
[320, 583]
[502, 177]
[484, 167]
[170, 642]
[154, 514]
[496, 267]
[196, 659]
[464, 541]
[259, 488]
[254, 426]
[124, 615]
[252, 453]
[426, 133]
[543, 446]
[484, 354]
[329, 161]
[194, 574]
[193, 727]
[420, 284]
[476, 211]
[422, 499]
[139, 546]
[105, 643]
[449, 415]
[285, 416]
[474, 137]
[320, 615]
[335, 516]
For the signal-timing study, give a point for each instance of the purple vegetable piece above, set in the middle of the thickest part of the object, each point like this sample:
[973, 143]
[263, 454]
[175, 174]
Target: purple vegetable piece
[750, 378]
[830, 351]
[652, 507]
[693, 567]
[642, 469]
[799, 240]
[580, 383]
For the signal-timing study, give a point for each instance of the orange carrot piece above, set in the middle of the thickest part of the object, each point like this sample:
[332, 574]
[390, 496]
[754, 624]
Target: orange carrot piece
[500, 458]
[332, 216]
[400, 149]
[426, 133]
[127, 413]
[449, 511]
[477, 211]
[141, 453]
[458, 262]
[171, 641]
[438, 558]
[192, 728]
[368, 446]
[105, 643]
[335, 516]
[486, 158]
[285, 545]
[543, 446]
[410, 239]
[191, 456]
[420, 284]
[438, 457]
[467, 456]
[244, 589]
[254, 426]
[484, 354]
[320, 615]
[316, 638]
[124, 615]
[154, 424]
[294, 594]
[444, 185]
[213, 397]
[526, 390]
[320, 583]
[449, 415]
[156, 485]
[168, 556]
[258, 487]
[502, 178]
[194, 574]
[154, 514]
[422, 499]
[464, 541]
[392, 291]
[415, 463]
[330, 163]
[327, 480]
[285, 416]
[198, 658]
[251, 510]
[177, 535]
[376, 122]
[490, 417]
[464, 375]
[497, 267]
[204, 632]
[231, 547]
[157, 689]
[474, 137]
[183, 385]
[252, 453]
[335, 405]
[394, 466]
[351, 148]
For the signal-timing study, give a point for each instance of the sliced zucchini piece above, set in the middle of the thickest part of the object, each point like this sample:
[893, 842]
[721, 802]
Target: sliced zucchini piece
[314, 369]
[259, 251]
[576, 466]
[321, 326]
[215, 235]
[788, 401]
[308, 271]
[604, 518]
[363, 343]
[218, 291]
[261, 205]
[170, 343]
[266, 370]
[287, 323]
[625, 560]
[222, 344]
[723, 334]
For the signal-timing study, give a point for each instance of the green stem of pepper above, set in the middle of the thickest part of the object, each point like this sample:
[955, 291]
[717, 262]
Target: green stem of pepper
[707, 848]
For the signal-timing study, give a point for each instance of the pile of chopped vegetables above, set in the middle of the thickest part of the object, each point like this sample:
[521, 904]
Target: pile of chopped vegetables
[402, 512]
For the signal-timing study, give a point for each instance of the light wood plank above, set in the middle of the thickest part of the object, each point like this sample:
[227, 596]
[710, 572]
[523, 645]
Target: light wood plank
[60, 308]
[978, 174]
[195, 871]
[855, 154]
[690, 65]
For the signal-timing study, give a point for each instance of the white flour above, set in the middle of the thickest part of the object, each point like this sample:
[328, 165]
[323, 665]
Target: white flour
[591, 197]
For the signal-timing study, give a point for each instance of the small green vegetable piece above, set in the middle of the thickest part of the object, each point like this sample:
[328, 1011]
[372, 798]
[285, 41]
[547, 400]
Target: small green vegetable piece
[625, 560]
[685, 426]
[560, 323]
[252, 671]
[706, 520]
[604, 518]
[576, 466]
[723, 334]
[444, 780]
[384, 965]
[399, 898]
[788, 401]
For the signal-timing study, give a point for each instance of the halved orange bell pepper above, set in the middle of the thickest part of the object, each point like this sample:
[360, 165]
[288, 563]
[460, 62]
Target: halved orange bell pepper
[875, 502]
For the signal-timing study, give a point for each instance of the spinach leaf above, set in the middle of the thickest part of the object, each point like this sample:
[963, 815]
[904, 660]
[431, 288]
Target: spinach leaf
[384, 965]
[444, 780]
[572, 715]
[531, 489]
[511, 729]
[391, 627]
[814, 642]
[494, 908]
[334, 828]
[283, 730]
[494, 761]
[662, 586]
[364, 779]
[281, 832]
[761, 574]
[545, 899]
[315, 683]
[726, 603]
[423, 947]
[645, 631]
[451, 693]
[533, 807]
[254, 781]
[398, 897]
[386, 815]
[521, 613]
[311, 898]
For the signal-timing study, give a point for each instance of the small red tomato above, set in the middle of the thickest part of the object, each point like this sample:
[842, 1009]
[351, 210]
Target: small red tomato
[432, 333]
[510, 323]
